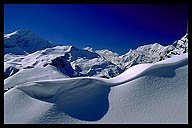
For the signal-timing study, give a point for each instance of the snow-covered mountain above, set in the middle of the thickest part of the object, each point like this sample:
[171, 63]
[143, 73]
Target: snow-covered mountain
[74, 62]
[24, 42]
[177, 48]
[111, 56]
[143, 54]
[150, 53]
[145, 93]
[69, 60]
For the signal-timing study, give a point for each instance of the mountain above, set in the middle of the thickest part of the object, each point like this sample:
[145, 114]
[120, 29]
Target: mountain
[144, 54]
[150, 53]
[24, 42]
[75, 62]
[145, 93]
[111, 56]
[177, 48]
[70, 60]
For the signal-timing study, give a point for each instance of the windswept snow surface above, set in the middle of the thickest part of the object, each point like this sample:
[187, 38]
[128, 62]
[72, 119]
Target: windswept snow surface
[145, 93]
[34, 74]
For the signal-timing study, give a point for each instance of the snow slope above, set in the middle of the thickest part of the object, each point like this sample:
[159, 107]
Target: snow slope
[34, 74]
[145, 93]
[157, 95]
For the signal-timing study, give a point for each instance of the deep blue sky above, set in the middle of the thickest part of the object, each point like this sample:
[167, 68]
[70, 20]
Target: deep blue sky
[118, 27]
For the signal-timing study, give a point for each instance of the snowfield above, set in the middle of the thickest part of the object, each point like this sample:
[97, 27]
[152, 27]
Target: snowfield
[145, 93]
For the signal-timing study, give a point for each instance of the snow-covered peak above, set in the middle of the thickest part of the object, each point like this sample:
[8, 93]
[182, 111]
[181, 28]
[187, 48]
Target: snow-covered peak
[150, 47]
[88, 49]
[182, 43]
[24, 41]
[111, 56]
[69, 60]
[154, 52]
[106, 52]
[23, 33]
[10, 34]
[77, 53]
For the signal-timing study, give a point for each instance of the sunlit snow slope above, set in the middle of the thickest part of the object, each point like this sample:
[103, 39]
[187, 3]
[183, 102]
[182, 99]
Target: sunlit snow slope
[145, 93]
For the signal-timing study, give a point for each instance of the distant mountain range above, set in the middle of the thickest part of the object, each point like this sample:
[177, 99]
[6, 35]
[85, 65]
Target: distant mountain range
[146, 54]
[24, 49]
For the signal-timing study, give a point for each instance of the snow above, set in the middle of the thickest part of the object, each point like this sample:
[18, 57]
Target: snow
[88, 49]
[149, 53]
[27, 75]
[150, 99]
[158, 96]
[10, 34]
[144, 93]
[146, 85]
[83, 62]
[73, 61]
[111, 56]
[24, 42]
[138, 70]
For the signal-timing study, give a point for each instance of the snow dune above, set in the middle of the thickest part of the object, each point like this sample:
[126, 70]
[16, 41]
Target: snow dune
[34, 74]
[140, 69]
[145, 93]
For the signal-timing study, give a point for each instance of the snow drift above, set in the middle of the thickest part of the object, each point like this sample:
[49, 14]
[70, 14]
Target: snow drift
[34, 74]
[145, 93]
